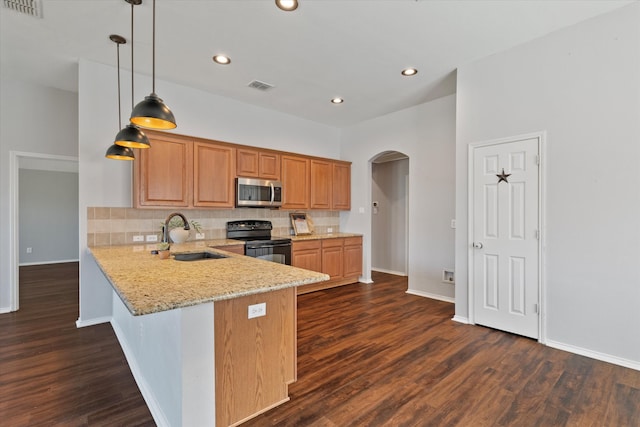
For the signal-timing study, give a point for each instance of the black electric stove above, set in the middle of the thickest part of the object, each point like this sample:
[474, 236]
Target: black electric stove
[258, 241]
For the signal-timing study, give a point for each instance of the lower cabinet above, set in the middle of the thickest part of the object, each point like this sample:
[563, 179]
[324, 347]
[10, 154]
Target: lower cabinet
[340, 258]
[255, 358]
[236, 249]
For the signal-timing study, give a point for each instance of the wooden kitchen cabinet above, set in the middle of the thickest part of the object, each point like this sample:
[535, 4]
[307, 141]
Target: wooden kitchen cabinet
[236, 249]
[258, 164]
[307, 255]
[352, 257]
[255, 358]
[183, 172]
[330, 185]
[339, 257]
[321, 184]
[341, 186]
[163, 174]
[295, 182]
[213, 175]
[332, 258]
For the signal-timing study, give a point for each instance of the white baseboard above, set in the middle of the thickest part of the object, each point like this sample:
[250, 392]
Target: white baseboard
[432, 296]
[460, 319]
[96, 321]
[153, 405]
[395, 273]
[4, 310]
[62, 261]
[631, 364]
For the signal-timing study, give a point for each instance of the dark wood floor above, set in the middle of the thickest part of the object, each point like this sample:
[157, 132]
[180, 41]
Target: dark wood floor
[54, 374]
[368, 355]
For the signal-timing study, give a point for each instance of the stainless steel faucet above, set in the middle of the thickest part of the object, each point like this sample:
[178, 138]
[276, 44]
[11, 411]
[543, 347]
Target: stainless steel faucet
[165, 229]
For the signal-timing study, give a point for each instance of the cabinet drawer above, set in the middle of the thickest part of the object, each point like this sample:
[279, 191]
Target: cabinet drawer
[304, 245]
[331, 243]
[352, 241]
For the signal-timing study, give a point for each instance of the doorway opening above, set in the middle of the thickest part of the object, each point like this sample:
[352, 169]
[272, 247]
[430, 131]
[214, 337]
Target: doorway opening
[44, 198]
[390, 213]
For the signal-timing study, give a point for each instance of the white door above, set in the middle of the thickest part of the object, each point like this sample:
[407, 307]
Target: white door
[506, 236]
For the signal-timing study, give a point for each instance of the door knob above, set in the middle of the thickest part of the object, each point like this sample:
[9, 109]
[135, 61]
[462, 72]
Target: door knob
[477, 245]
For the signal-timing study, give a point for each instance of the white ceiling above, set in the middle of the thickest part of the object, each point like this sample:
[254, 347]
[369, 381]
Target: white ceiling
[326, 48]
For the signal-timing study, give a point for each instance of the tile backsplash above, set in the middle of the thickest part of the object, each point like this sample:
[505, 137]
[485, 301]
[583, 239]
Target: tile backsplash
[117, 226]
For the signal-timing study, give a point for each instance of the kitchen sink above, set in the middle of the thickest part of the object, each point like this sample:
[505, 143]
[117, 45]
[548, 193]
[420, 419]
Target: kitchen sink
[196, 256]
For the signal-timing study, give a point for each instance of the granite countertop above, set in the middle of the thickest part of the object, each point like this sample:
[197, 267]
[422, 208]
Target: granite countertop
[147, 284]
[323, 236]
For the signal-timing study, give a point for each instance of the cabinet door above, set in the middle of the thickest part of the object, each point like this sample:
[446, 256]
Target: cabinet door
[341, 192]
[162, 174]
[321, 188]
[295, 182]
[269, 166]
[257, 164]
[332, 258]
[247, 163]
[213, 175]
[307, 255]
[352, 256]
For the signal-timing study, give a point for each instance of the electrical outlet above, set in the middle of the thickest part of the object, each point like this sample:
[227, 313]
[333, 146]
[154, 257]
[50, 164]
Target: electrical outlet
[138, 238]
[199, 236]
[329, 230]
[152, 238]
[453, 223]
[258, 310]
[29, 250]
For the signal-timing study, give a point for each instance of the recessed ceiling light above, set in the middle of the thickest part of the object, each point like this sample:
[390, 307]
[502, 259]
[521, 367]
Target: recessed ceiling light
[337, 100]
[222, 59]
[287, 5]
[409, 72]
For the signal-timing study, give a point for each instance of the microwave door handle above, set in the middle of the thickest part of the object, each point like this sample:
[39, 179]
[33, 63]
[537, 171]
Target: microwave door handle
[273, 193]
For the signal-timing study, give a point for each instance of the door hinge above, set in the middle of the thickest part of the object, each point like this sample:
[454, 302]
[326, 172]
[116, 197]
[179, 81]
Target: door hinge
[535, 309]
[537, 234]
[538, 159]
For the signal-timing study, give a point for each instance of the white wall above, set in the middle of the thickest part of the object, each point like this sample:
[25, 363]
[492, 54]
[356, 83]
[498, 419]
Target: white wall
[425, 133]
[389, 219]
[107, 183]
[582, 86]
[48, 212]
[33, 119]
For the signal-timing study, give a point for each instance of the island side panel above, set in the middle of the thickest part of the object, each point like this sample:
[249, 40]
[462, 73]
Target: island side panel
[255, 359]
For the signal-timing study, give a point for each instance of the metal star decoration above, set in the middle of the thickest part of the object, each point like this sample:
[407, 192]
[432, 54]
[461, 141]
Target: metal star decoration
[503, 176]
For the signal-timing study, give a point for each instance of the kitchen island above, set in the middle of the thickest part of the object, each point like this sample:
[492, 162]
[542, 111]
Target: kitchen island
[209, 342]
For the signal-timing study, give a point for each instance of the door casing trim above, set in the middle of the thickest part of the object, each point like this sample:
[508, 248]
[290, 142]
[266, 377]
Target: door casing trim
[542, 294]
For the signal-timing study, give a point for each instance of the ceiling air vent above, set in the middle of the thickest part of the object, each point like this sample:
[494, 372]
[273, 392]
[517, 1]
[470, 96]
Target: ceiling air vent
[257, 84]
[28, 7]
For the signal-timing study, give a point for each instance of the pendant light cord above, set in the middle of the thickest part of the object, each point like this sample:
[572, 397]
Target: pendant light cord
[119, 108]
[153, 68]
[132, 56]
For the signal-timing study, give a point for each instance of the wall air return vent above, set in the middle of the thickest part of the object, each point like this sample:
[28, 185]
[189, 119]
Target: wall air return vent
[257, 84]
[28, 7]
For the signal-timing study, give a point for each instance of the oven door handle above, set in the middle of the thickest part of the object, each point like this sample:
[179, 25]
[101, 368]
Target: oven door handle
[258, 246]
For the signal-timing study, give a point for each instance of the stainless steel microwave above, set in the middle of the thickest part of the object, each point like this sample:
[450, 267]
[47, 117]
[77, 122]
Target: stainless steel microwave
[255, 193]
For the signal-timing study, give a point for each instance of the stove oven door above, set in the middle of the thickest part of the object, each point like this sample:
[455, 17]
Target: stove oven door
[274, 252]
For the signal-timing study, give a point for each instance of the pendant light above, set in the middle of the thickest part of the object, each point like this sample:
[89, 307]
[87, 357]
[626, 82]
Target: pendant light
[131, 136]
[152, 112]
[118, 152]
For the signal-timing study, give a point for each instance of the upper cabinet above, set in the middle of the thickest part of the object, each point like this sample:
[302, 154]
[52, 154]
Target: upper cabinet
[258, 164]
[213, 175]
[295, 182]
[183, 172]
[187, 172]
[330, 185]
[162, 175]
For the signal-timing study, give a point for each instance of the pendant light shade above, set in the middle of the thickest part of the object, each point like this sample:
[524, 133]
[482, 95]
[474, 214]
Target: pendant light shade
[131, 136]
[152, 112]
[118, 152]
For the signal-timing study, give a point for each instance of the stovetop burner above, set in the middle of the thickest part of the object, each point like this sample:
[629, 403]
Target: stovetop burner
[254, 231]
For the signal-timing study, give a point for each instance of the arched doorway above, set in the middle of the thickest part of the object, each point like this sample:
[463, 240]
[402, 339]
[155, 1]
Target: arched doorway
[390, 212]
